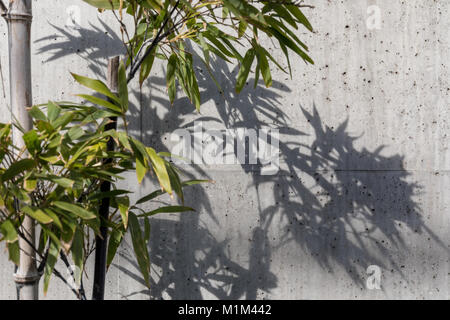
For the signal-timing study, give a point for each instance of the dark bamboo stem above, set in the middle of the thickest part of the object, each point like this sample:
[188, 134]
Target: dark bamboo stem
[101, 241]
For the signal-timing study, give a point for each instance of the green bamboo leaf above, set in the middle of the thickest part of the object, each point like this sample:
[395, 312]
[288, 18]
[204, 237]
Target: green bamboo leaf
[104, 4]
[100, 114]
[156, 4]
[5, 130]
[123, 88]
[52, 257]
[38, 215]
[31, 140]
[54, 142]
[147, 230]
[195, 91]
[240, 7]
[159, 166]
[30, 184]
[51, 235]
[257, 72]
[284, 14]
[115, 239]
[288, 32]
[194, 182]
[68, 233]
[236, 53]
[150, 196]
[296, 12]
[49, 158]
[78, 253]
[175, 181]
[123, 139]
[124, 206]
[43, 238]
[220, 47]
[264, 67]
[95, 85]
[140, 248]
[205, 48]
[101, 102]
[141, 169]
[286, 54]
[146, 66]
[168, 209]
[108, 194]
[75, 209]
[284, 40]
[9, 232]
[242, 27]
[63, 120]
[14, 252]
[20, 193]
[63, 182]
[17, 168]
[245, 70]
[54, 216]
[157, 193]
[170, 77]
[217, 52]
[75, 133]
[53, 111]
[37, 114]
[225, 12]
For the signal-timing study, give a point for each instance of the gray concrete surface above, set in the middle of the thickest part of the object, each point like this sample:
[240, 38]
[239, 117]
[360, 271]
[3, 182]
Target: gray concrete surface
[364, 176]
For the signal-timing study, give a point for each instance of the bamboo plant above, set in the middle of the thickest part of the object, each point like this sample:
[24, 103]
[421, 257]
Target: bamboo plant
[55, 178]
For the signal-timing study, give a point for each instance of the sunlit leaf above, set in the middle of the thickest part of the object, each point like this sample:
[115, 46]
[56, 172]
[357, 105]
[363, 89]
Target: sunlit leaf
[78, 253]
[38, 215]
[95, 85]
[75, 209]
[104, 4]
[53, 111]
[170, 77]
[17, 168]
[101, 102]
[9, 231]
[140, 248]
[115, 239]
[168, 209]
[124, 206]
[123, 88]
[245, 70]
[159, 166]
[50, 264]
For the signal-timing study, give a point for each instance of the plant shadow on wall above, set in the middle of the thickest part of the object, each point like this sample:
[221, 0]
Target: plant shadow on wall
[326, 197]
[186, 256]
[343, 206]
[93, 44]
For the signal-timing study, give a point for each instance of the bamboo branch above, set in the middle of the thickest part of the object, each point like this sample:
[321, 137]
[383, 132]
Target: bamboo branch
[80, 292]
[55, 271]
[155, 41]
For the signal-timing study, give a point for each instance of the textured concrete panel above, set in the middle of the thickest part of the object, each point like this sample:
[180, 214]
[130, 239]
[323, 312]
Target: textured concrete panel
[365, 160]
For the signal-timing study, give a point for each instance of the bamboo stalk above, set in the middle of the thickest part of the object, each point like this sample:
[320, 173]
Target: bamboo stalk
[18, 16]
[101, 242]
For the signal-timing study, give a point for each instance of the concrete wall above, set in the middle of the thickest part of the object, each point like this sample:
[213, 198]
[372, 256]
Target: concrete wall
[364, 177]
